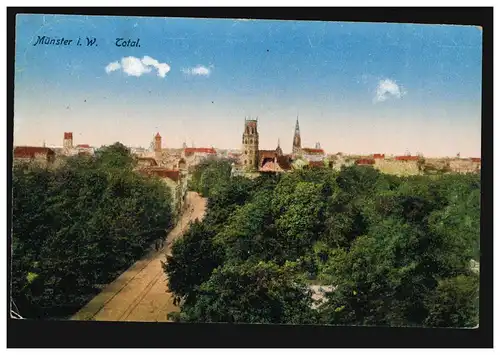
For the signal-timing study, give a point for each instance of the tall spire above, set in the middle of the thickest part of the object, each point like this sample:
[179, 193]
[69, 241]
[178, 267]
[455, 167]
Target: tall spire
[296, 138]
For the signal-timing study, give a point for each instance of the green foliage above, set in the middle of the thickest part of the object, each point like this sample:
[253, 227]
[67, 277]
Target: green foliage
[396, 249]
[115, 156]
[260, 292]
[192, 261]
[78, 226]
[454, 303]
[210, 174]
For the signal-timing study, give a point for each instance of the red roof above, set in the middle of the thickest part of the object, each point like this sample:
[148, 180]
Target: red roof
[407, 157]
[284, 162]
[189, 151]
[30, 152]
[68, 135]
[158, 135]
[365, 162]
[316, 164]
[83, 146]
[270, 167]
[378, 156]
[162, 173]
[313, 151]
[476, 160]
[267, 154]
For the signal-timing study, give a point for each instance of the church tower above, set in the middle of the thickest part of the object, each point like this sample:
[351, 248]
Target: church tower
[157, 143]
[250, 142]
[279, 151]
[68, 140]
[296, 139]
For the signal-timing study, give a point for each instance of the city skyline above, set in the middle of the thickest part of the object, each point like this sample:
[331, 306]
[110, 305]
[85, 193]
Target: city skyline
[357, 88]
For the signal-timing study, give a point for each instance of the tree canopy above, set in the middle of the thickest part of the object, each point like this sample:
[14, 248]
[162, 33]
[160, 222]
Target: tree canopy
[76, 227]
[396, 250]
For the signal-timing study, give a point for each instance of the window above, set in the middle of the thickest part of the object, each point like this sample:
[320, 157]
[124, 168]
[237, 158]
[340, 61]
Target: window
[251, 140]
[246, 152]
[245, 162]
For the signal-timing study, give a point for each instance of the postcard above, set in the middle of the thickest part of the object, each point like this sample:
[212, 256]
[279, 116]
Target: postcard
[246, 171]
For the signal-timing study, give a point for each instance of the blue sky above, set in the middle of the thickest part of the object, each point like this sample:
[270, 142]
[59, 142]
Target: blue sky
[357, 87]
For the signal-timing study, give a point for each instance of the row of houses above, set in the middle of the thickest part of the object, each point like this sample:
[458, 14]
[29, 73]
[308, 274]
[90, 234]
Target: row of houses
[414, 165]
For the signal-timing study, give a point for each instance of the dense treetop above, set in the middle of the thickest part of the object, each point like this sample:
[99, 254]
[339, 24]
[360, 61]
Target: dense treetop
[397, 250]
[76, 227]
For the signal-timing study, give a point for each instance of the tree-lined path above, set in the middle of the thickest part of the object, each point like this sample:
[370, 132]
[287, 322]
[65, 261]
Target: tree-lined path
[140, 293]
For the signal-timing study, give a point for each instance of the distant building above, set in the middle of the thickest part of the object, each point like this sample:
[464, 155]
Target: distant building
[404, 165]
[146, 162]
[40, 155]
[464, 166]
[250, 145]
[68, 140]
[407, 158]
[157, 144]
[309, 154]
[193, 156]
[365, 161]
[84, 149]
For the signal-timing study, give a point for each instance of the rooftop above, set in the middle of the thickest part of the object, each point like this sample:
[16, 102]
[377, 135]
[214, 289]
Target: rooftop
[199, 150]
[30, 152]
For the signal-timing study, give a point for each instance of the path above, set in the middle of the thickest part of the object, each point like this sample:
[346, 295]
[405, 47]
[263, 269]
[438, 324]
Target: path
[140, 293]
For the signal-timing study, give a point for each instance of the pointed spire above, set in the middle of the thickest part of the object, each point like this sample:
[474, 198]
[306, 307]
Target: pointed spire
[278, 142]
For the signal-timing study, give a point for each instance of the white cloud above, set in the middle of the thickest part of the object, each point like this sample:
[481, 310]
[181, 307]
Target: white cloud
[386, 89]
[198, 70]
[112, 67]
[136, 67]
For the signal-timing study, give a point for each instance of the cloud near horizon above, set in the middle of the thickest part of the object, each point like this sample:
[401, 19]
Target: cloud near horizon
[133, 66]
[198, 70]
[387, 89]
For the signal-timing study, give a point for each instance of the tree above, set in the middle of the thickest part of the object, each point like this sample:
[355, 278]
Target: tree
[78, 226]
[454, 303]
[299, 222]
[192, 261]
[250, 233]
[252, 293]
[209, 174]
[115, 156]
[397, 250]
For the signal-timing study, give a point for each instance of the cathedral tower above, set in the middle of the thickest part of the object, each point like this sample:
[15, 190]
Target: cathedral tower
[296, 139]
[250, 141]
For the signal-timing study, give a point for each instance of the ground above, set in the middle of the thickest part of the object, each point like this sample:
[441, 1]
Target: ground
[140, 293]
